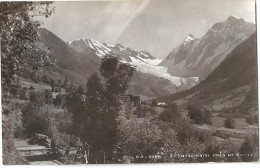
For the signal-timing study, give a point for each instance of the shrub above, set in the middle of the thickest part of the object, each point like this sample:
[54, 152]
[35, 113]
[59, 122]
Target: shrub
[251, 119]
[207, 117]
[250, 146]
[152, 111]
[139, 138]
[22, 93]
[57, 100]
[212, 148]
[48, 97]
[169, 116]
[61, 138]
[34, 119]
[229, 123]
[37, 97]
[198, 116]
[172, 106]
[9, 152]
[154, 103]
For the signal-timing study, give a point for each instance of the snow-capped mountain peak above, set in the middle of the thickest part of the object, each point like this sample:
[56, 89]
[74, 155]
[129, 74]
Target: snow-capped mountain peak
[142, 60]
[101, 49]
[235, 21]
[198, 57]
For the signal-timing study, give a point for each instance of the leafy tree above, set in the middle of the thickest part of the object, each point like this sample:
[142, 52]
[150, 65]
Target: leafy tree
[103, 103]
[19, 34]
[76, 108]
[116, 77]
[229, 123]
[80, 90]
[195, 114]
[199, 116]
[18, 37]
[92, 115]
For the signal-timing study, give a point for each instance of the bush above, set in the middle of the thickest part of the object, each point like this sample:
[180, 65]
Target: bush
[229, 123]
[172, 106]
[252, 119]
[212, 148]
[169, 116]
[61, 138]
[37, 97]
[57, 100]
[152, 111]
[139, 139]
[185, 132]
[22, 94]
[9, 153]
[34, 119]
[48, 97]
[192, 140]
[250, 146]
[207, 117]
[198, 116]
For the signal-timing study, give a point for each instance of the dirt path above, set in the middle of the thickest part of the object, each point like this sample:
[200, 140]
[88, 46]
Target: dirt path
[35, 154]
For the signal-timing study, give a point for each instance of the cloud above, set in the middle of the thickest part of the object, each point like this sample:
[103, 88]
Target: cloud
[122, 27]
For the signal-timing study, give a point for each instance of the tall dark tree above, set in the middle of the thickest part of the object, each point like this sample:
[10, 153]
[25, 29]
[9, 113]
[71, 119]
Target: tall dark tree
[93, 113]
[52, 85]
[103, 103]
[117, 76]
[76, 108]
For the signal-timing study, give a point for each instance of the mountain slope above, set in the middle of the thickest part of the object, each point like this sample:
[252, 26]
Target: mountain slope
[66, 57]
[234, 81]
[75, 61]
[150, 79]
[200, 56]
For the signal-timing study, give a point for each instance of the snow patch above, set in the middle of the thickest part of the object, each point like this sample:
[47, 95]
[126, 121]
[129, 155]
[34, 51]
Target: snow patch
[235, 16]
[158, 71]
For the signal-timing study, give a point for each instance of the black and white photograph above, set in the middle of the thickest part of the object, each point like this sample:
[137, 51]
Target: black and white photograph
[129, 82]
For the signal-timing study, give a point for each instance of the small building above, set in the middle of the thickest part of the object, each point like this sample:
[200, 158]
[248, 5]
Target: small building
[161, 104]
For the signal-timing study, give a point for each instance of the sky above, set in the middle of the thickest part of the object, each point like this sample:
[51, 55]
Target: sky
[154, 25]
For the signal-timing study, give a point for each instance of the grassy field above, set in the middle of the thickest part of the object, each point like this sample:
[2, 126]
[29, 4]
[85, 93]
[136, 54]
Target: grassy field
[37, 86]
[242, 128]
